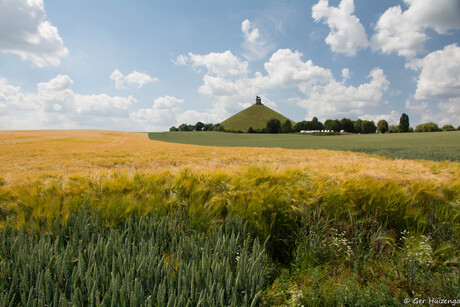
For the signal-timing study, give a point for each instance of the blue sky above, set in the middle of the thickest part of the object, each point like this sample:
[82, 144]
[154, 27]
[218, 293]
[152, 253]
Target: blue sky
[149, 65]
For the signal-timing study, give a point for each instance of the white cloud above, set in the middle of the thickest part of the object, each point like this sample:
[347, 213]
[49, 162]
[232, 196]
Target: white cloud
[440, 74]
[137, 78]
[392, 118]
[347, 34]
[181, 60]
[220, 64]
[345, 75]
[404, 32]
[443, 113]
[25, 31]
[55, 104]
[160, 116]
[257, 48]
[324, 95]
[341, 100]
[286, 68]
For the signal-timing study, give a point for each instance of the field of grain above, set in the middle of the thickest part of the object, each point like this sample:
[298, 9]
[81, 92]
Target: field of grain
[439, 146]
[339, 228]
[42, 155]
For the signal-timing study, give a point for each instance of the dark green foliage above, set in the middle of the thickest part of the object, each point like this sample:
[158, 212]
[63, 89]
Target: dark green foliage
[368, 127]
[251, 130]
[218, 127]
[382, 126]
[332, 124]
[314, 124]
[427, 127]
[347, 125]
[287, 127]
[208, 127]
[199, 126]
[173, 129]
[448, 128]
[274, 126]
[143, 261]
[357, 125]
[185, 127]
[393, 129]
[404, 123]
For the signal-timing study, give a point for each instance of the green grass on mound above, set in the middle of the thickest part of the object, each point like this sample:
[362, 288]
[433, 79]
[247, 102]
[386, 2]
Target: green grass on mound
[436, 146]
[255, 116]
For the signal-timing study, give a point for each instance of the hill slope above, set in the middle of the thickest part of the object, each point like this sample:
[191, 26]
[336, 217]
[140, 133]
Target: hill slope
[255, 116]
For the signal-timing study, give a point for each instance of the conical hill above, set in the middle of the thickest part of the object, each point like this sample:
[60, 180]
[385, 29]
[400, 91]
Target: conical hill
[256, 116]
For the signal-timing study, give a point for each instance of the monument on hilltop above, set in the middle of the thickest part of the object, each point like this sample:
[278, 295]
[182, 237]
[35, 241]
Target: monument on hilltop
[256, 116]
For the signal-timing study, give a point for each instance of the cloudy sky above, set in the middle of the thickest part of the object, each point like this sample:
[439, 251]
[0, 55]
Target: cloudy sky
[149, 65]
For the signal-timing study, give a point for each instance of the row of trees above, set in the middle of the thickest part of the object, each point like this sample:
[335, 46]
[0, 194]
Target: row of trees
[345, 124]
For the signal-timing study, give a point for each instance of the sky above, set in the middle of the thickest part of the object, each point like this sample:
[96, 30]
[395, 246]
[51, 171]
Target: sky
[148, 65]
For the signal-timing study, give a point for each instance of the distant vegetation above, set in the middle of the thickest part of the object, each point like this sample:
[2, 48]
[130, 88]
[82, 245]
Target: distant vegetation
[254, 120]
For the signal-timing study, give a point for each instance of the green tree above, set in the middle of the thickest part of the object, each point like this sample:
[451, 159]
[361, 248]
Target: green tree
[382, 126]
[368, 127]
[173, 128]
[357, 125]
[251, 130]
[199, 126]
[448, 128]
[332, 124]
[347, 125]
[300, 126]
[287, 126]
[208, 127]
[274, 126]
[218, 127]
[185, 127]
[404, 123]
[427, 127]
[393, 129]
[316, 124]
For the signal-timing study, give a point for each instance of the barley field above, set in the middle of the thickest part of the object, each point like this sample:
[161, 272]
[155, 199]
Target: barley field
[312, 227]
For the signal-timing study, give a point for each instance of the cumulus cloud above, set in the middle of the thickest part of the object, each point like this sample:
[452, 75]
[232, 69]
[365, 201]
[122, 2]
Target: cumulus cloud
[161, 115]
[286, 68]
[55, 104]
[342, 100]
[25, 31]
[404, 32]
[220, 64]
[322, 93]
[440, 74]
[256, 47]
[443, 113]
[137, 78]
[392, 118]
[347, 34]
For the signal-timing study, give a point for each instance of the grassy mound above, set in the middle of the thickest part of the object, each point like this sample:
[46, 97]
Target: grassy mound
[255, 116]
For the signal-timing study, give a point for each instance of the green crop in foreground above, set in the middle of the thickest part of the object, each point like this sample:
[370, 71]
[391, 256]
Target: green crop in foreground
[436, 146]
[343, 241]
[143, 262]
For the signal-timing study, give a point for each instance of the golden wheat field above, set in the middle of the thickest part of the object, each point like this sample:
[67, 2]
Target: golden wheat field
[57, 154]
[378, 229]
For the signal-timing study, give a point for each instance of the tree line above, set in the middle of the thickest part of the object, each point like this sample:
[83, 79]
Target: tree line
[334, 125]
